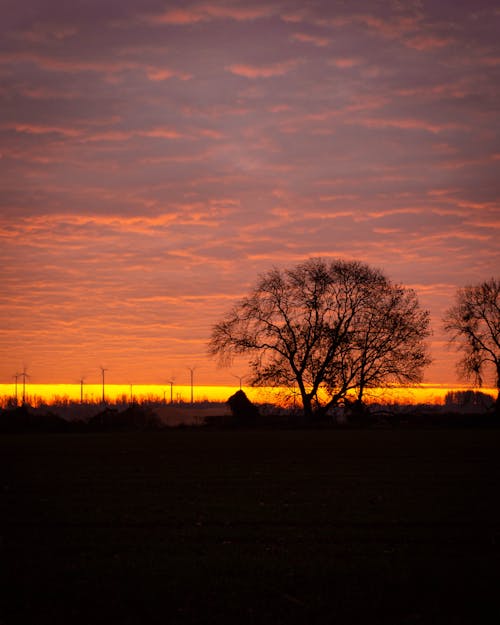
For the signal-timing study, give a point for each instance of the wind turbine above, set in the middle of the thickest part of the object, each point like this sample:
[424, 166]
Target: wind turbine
[23, 375]
[102, 373]
[81, 381]
[239, 377]
[16, 376]
[192, 370]
[171, 382]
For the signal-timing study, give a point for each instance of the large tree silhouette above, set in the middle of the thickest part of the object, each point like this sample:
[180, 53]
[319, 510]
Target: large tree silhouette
[473, 323]
[327, 328]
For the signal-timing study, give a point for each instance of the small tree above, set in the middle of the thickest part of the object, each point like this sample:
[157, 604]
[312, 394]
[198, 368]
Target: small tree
[327, 328]
[473, 323]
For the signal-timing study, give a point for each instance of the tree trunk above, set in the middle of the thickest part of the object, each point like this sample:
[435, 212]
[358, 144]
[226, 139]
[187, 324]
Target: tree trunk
[497, 402]
[360, 393]
[307, 405]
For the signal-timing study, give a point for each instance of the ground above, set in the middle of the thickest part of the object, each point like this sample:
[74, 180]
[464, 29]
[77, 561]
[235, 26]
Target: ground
[293, 526]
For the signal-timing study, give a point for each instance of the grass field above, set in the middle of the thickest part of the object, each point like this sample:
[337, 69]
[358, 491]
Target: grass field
[294, 526]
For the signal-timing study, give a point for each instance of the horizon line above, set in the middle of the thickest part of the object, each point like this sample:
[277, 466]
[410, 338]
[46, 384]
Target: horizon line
[425, 393]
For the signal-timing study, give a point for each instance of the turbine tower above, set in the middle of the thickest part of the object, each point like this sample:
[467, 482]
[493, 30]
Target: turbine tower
[171, 382]
[23, 375]
[82, 380]
[16, 377]
[191, 371]
[102, 373]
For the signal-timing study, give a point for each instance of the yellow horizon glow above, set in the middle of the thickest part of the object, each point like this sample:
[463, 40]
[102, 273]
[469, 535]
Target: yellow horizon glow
[92, 393]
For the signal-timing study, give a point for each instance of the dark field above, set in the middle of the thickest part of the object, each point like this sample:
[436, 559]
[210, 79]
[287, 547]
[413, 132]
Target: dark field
[184, 526]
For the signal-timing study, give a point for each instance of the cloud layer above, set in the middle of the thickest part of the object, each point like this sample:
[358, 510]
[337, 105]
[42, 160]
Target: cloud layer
[155, 157]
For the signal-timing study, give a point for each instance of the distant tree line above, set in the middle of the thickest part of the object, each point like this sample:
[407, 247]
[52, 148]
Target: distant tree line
[468, 399]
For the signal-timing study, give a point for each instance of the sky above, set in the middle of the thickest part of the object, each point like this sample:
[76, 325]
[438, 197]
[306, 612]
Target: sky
[156, 157]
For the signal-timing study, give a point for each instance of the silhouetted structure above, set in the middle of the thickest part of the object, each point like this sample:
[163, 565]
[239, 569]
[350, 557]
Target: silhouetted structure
[242, 409]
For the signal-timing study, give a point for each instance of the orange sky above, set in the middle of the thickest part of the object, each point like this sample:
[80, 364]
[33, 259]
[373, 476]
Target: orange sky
[156, 157]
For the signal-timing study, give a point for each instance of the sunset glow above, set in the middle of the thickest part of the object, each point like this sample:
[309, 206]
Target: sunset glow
[92, 393]
[155, 157]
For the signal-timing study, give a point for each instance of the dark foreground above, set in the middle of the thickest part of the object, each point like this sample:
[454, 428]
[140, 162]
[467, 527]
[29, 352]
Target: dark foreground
[358, 526]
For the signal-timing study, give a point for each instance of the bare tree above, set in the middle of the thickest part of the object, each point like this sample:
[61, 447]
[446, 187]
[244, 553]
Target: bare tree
[388, 341]
[473, 323]
[327, 328]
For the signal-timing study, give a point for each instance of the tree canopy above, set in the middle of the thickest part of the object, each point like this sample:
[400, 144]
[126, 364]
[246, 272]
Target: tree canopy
[473, 323]
[328, 328]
